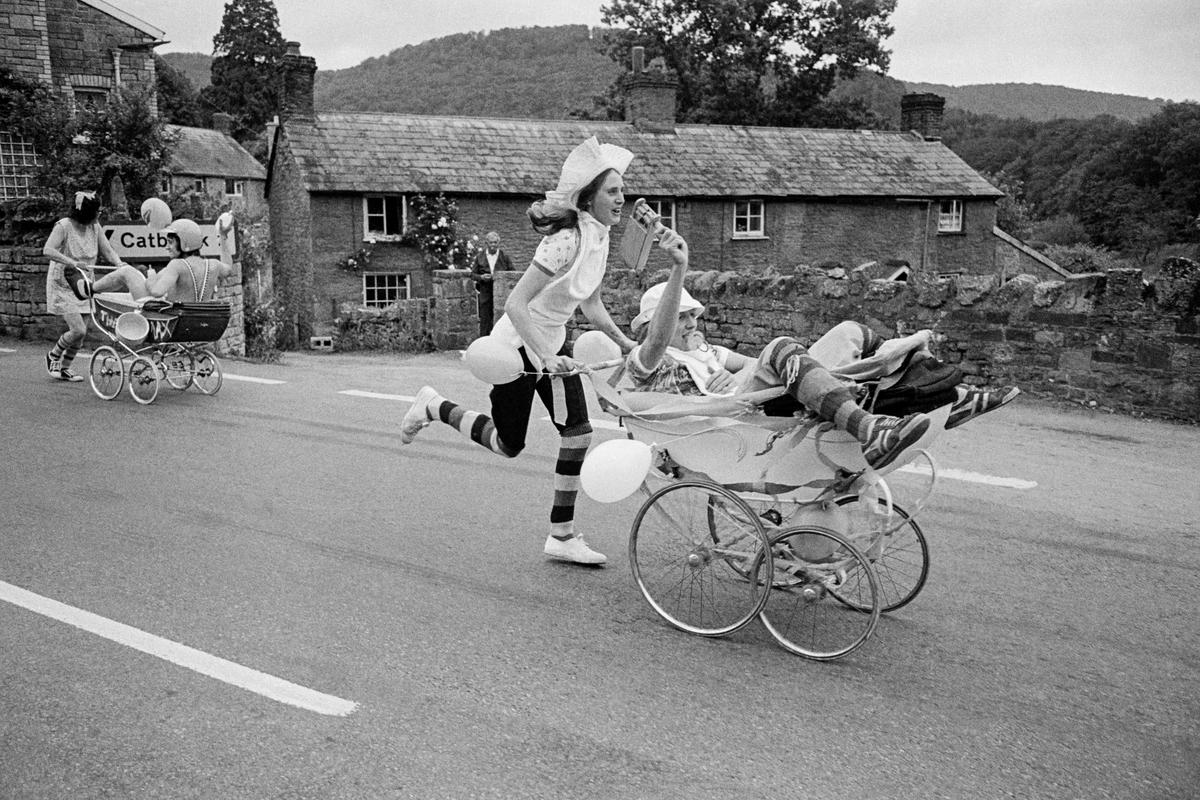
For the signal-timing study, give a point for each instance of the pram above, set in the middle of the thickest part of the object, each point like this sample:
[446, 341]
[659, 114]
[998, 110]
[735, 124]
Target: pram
[161, 340]
[776, 517]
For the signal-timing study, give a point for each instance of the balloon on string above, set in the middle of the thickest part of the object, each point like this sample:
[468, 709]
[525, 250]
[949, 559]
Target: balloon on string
[593, 347]
[156, 213]
[493, 361]
[225, 222]
[614, 470]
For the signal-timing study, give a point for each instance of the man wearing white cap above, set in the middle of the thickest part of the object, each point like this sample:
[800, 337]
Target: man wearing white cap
[566, 274]
[674, 358]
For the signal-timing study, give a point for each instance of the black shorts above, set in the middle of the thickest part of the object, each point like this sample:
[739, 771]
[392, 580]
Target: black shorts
[512, 404]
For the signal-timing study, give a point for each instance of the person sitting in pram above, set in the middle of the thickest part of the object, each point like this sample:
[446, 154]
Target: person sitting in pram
[672, 357]
[187, 278]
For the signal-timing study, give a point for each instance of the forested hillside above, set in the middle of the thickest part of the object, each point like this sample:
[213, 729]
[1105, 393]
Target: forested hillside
[1037, 102]
[518, 72]
[546, 72]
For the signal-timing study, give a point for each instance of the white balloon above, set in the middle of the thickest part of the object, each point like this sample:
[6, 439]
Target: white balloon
[225, 222]
[614, 470]
[156, 213]
[593, 347]
[493, 361]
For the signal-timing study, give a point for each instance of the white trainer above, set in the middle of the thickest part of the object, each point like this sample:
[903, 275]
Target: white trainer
[575, 550]
[417, 416]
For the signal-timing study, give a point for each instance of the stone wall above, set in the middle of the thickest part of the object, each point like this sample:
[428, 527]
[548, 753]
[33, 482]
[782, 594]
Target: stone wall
[23, 303]
[1109, 338]
[24, 40]
[91, 49]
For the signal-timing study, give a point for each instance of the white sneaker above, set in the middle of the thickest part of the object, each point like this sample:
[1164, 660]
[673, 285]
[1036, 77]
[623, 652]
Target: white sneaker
[417, 416]
[575, 550]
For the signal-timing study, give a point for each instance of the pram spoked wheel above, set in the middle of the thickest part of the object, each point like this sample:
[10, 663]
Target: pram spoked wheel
[143, 380]
[700, 557]
[106, 372]
[177, 366]
[895, 547]
[207, 372]
[805, 610]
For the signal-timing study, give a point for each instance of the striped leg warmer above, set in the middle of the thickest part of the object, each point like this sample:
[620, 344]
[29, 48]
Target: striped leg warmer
[477, 427]
[571, 451]
[813, 385]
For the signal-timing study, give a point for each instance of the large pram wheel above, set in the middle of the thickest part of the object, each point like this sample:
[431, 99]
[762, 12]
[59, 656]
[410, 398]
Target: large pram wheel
[207, 375]
[143, 380]
[106, 372]
[699, 556]
[178, 367]
[802, 611]
[895, 547]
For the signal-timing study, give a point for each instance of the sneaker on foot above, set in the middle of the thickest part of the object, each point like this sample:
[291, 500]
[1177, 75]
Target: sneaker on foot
[78, 281]
[64, 374]
[53, 364]
[417, 416]
[973, 402]
[575, 550]
[892, 437]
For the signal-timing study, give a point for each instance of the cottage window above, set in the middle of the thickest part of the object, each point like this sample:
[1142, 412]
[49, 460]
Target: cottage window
[748, 219]
[234, 188]
[950, 216]
[18, 162]
[382, 289]
[164, 186]
[197, 184]
[90, 101]
[383, 217]
[665, 210]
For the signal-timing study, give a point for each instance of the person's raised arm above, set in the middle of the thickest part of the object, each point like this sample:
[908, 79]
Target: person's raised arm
[666, 316]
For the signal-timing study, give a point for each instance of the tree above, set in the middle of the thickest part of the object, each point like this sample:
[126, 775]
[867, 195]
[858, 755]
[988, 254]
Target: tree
[247, 51]
[178, 102]
[755, 62]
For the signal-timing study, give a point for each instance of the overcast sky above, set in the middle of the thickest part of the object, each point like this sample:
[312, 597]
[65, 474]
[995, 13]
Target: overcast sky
[1146, 48]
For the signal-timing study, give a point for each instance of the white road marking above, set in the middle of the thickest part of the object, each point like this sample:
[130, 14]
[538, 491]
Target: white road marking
[7, 350]
[377, 395]
[249, 379]
[251, 680]
[972, 477]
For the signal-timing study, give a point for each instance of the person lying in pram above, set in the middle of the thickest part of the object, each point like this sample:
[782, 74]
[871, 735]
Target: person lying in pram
[671, 357]
[187, 278]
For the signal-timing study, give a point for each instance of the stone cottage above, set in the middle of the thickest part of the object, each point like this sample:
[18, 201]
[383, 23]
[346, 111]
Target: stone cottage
[212, 162]
[746, 198]
[84, 49]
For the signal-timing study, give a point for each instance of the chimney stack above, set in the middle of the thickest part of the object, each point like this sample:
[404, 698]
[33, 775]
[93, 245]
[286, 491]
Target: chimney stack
[649, 94]
[222, 122]
[922, 113]
[296, 95]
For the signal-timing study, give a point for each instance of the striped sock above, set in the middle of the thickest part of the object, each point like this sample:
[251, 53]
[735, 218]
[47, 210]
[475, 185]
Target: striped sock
[571, 451]
[815, 388]
[477, 427]
[61, 346]
[69, 353]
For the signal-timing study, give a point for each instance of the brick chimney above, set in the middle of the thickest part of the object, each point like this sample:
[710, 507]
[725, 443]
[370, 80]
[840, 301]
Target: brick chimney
[296, 92]
[222, 122]
[649, 94]
[922, 113]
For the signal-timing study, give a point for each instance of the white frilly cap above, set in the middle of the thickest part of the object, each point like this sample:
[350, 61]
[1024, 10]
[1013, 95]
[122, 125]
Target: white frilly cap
[585, 162]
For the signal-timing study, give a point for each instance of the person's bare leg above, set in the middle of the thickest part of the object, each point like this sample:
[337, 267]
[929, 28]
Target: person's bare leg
[124, 278]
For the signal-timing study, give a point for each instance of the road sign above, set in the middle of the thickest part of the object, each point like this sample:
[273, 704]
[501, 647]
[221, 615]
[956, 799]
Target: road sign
[138, 242]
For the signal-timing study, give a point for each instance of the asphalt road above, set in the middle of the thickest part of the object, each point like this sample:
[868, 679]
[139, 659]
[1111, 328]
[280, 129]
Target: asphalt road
[277, 532]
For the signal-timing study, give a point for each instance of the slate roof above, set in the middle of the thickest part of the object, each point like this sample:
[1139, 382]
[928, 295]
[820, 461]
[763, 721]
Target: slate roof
[363, 152]
[202, 151]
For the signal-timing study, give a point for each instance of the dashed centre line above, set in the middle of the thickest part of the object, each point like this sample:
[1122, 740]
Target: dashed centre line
[251, 680]
[250, 379]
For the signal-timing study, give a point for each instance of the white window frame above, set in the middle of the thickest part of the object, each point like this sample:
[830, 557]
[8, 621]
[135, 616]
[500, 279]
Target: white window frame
[239, 187]
[18, 164]
[751, 213]
[164, 185]
[950, 216]
[381, 234]
[665, 208]
[197, 185]
[371, 288]
[89, 98]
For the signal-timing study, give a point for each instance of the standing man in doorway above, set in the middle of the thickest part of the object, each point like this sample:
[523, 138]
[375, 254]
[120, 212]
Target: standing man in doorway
[488, 262]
